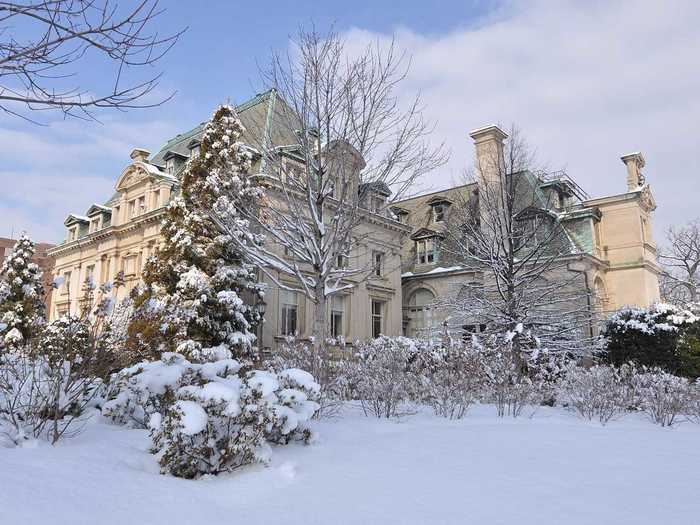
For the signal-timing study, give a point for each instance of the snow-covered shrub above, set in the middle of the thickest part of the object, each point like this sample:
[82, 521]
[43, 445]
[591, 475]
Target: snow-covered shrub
[648, 337]
[212, 417]
[600, 392]
[662, 396]
[383, 376]
[452, 378]
[46, 389]
[514, 379]
[324, 365]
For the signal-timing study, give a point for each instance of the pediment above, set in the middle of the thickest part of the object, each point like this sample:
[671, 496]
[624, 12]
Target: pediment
[424, 233]
[132, 176]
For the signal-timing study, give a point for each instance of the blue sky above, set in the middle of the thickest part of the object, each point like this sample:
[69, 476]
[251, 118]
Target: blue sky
[586, 82]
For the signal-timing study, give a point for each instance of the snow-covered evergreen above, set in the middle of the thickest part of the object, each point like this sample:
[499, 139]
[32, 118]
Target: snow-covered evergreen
[200, 286]
[22, 310]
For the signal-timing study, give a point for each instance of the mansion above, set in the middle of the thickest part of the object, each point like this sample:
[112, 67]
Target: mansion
[614, 252]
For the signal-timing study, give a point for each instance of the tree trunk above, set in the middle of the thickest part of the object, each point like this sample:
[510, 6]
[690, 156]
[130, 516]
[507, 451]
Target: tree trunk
[319, 328]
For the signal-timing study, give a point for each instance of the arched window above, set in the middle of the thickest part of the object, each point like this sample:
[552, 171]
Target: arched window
[420, 312]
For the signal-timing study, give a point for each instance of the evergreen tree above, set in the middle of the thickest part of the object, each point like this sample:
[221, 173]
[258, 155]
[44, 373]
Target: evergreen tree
[200, 285]
[22, 310]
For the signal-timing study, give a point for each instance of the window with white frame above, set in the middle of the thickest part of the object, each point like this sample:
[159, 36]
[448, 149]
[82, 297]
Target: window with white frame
[72, 233]
[337, 316]
[288, 312]
[420, 311]
[426, 251]
[377, 317]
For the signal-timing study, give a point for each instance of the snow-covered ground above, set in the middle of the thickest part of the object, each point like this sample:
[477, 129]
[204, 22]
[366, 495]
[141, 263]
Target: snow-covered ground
[550, 469]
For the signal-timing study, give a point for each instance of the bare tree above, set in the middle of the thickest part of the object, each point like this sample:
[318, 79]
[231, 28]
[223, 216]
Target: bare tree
[526, 281]
[344, 146]
[680, 280]
[40, 68]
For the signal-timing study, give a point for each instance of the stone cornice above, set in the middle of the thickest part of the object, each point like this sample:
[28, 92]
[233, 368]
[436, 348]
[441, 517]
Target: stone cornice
[107, 233]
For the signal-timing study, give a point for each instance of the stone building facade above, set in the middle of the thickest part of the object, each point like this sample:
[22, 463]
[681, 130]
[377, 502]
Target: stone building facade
[119, 235]
[613, 250]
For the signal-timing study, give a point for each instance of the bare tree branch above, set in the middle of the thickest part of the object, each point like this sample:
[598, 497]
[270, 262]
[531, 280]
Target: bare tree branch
[35, 71]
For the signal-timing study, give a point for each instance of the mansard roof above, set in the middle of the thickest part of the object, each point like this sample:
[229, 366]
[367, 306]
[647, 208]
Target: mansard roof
[266, 118]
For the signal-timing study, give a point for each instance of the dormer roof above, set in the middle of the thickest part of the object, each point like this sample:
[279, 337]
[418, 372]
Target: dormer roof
[425, 233]
[439, 199]
[97, 209]
[75, 219]
[170, 154]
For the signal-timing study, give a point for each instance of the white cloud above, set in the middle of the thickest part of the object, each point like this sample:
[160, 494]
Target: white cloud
[585, 81]
[48, 172]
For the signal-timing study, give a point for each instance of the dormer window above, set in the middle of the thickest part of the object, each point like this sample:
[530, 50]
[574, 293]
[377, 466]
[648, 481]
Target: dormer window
[170, 166]
[439, 213]
[194, 151]
[95, 224]
[376, 204]
[426, 251]
[72, 233]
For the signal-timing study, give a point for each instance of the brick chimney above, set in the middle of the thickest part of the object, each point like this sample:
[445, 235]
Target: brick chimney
[139, 155]
[635, 163]
[488, 142]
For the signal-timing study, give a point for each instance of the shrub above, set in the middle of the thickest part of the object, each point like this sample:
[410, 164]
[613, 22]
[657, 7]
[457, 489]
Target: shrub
[662, 396]
[212, 417]
[325, 366]
[649, 337]
[599, 392]
[452, 379]
[383, 377]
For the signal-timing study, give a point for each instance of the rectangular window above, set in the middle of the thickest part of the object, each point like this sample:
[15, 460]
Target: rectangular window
[129, 265]
[142, 205]
[426, 251]
[337, 311]
[66, 282]
[156, 199]
[377, 317]
[90, 274]
[288, 312]
[132, 209]
[377, 263]
[439, 213]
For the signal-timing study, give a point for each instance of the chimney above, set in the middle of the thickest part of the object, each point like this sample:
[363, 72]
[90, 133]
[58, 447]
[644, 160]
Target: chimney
[139, 155]
[635, 163]
[488, 142]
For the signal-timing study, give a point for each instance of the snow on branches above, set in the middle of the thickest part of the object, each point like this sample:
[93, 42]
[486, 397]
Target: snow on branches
[203, 287]
[22, 311]
[211, 417]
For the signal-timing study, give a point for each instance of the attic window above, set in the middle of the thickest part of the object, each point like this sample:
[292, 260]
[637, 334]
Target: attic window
[426, 251]
[95, 224]
[194, 151]
[170, 166]
[72, 233]
[376, 204]
[439, 209]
